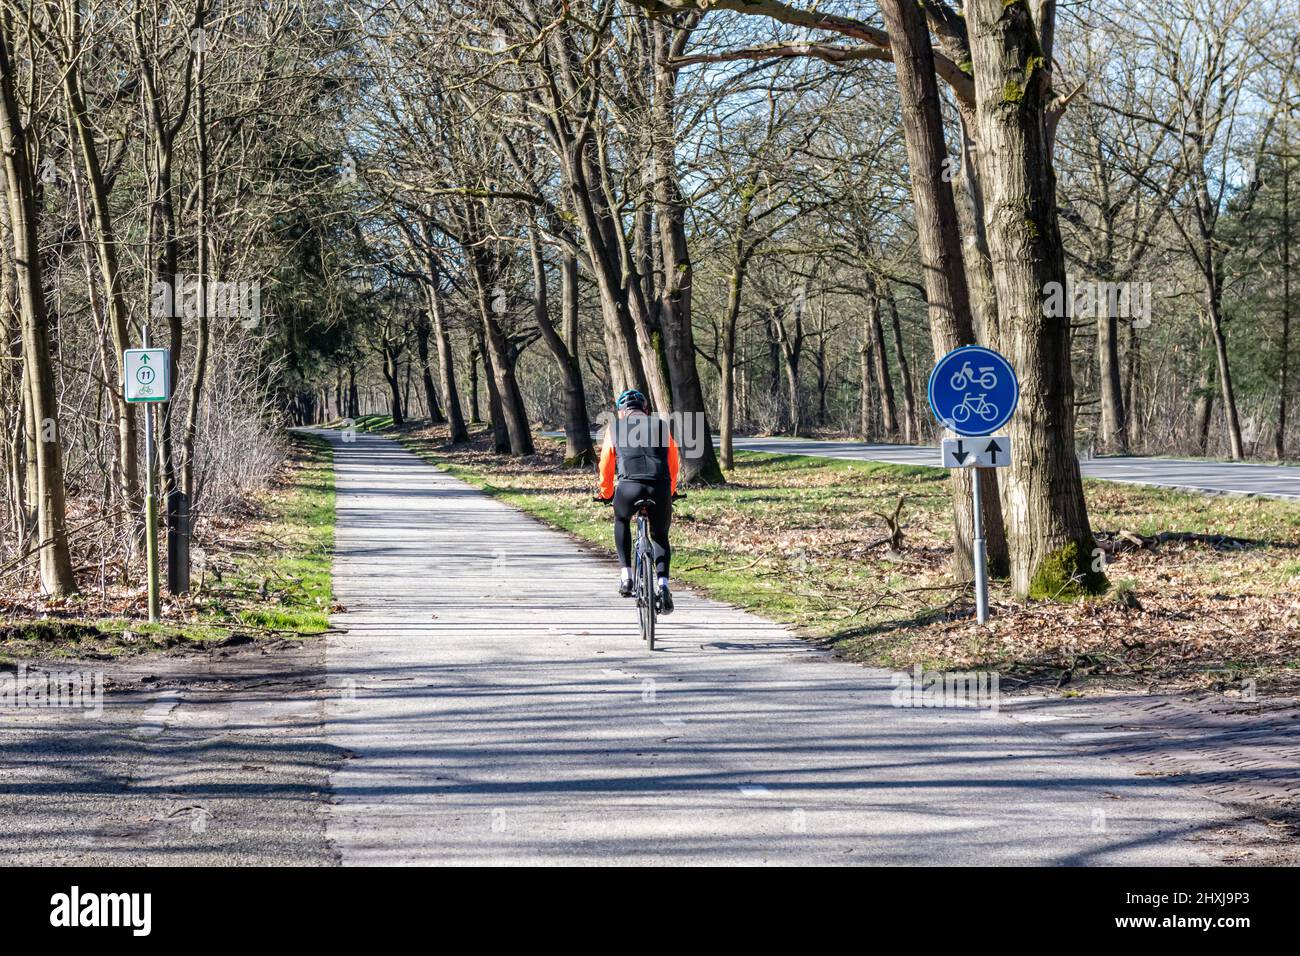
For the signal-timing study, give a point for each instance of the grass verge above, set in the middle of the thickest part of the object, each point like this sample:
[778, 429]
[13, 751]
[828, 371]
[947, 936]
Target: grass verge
[262, 574]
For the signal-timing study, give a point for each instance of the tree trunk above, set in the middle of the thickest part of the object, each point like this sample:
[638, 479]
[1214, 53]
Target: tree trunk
[727, 360]
[1203, 409]
[55, 557]
[699, 460]
[781, 418]
[31, 433]
[632, 353]
[939, 238]
[10, 397]
[598, 232]
[1284, 369]
[1052, 547]
[910, 423]
[407, 405]
[1132, 392]
[13, 391]
[354, 397]
[106, 255]
[975, 249]
[423, 328]
[163, 243]
[447, 367]
[508, 420]
[421, 245]
[792, 352]
[880, 364]
[198, 381]
[579, 451]
[392, 375]
[1114, 431]
[1228, 393]
[475, 417]
[865, 405]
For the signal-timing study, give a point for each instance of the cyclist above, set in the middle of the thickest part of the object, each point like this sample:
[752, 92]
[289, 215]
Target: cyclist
[641, 453]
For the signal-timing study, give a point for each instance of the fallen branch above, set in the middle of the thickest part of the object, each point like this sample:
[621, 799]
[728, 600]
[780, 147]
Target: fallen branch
[895, 526]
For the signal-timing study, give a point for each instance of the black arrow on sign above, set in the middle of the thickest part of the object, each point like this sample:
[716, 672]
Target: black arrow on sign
[993, 450]
[960, 453]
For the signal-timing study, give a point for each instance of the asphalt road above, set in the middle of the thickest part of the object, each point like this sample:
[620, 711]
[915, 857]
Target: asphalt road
[496, 705]
[195, 759]
[1186, 474]
[1216, 477]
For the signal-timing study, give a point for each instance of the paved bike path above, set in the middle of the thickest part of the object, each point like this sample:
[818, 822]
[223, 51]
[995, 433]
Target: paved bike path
[496, 706]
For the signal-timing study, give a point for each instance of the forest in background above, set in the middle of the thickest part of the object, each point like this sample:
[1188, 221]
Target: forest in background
[505, 212]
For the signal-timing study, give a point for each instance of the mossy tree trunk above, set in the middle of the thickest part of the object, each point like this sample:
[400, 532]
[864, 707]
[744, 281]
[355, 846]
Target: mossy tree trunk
[939, 239]
[1047, 519]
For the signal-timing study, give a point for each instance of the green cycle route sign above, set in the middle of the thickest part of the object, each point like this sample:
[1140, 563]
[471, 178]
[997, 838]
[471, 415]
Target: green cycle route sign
[146, 375]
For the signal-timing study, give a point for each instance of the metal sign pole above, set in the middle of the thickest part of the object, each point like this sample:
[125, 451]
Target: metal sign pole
[979, 556]
[150, 508]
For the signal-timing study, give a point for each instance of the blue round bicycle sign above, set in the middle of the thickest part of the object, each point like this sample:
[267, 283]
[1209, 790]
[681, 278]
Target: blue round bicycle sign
[973, 390]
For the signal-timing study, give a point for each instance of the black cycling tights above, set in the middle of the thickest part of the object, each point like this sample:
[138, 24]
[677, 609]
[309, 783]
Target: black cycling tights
[626, 494]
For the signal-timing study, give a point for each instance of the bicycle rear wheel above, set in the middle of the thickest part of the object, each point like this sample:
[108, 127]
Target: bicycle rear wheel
[645, 573]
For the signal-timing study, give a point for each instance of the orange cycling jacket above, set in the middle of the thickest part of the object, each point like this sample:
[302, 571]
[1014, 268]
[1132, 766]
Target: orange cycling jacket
[609, 463]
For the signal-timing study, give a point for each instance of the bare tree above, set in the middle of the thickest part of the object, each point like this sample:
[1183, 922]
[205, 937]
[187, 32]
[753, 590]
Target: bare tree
[20, 148]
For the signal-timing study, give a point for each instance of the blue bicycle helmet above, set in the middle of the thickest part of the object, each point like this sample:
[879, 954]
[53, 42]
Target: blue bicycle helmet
[632, 399]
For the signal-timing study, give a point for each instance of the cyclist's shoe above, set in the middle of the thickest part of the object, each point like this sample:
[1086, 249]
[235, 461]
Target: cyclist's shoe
[626, 588]
[665, 600]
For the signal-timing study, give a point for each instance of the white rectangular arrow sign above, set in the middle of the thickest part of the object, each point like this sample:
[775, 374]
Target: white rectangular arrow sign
[991, 451]
[146, 375]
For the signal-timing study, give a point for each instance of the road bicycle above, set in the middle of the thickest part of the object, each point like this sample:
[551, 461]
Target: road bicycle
[963, 378]
[643, 569]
